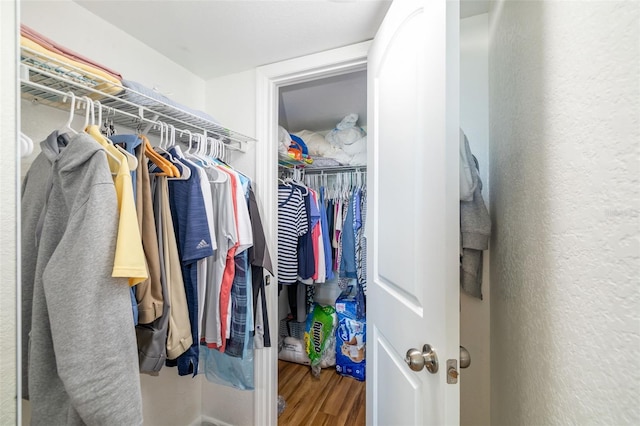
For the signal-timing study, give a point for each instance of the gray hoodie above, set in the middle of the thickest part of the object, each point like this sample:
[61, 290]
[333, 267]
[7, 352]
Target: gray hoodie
[83, 364]
[475, 229]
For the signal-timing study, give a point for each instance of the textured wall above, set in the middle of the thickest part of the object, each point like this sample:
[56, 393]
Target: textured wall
[474, 313]
[8, 195]
[565, 180]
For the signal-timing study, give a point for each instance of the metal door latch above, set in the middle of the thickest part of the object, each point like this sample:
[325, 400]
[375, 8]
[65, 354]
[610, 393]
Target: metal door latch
[452, 371]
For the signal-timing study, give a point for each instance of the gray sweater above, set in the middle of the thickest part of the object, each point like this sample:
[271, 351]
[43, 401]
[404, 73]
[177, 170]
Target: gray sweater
[475, 229]
[82, 362]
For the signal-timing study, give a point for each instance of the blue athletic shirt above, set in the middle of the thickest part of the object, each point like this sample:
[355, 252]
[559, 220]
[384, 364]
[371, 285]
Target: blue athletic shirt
[194, 243]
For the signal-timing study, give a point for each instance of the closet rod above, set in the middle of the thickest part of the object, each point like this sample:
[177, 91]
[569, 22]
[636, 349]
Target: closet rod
[334, 170]
[136, 120]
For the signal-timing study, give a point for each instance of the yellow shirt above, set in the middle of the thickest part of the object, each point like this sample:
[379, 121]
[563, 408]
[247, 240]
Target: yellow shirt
[129, 258]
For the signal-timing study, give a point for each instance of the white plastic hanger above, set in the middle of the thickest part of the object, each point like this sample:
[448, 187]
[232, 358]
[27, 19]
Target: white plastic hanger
[89, 111]
[67, 126]
[188, 151]
[26, 145]
[184, 171]
[199, 153]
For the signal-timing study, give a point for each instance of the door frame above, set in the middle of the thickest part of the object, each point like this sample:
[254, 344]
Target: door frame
[269, 79]
[10, 368]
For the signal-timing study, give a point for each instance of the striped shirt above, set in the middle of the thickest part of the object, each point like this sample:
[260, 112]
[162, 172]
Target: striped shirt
[292, 223]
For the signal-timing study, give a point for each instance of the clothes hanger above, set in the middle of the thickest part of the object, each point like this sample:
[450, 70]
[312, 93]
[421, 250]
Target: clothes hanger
[185, 171]
[92, 130]
[188, 132]
[188, 153]
[159, 150]
[199, 153]
[217, 152]
[89, 112]
[26, 145]
[156, 158]
[132, 161]
[297, 182]
[67, 126]
[169, 141]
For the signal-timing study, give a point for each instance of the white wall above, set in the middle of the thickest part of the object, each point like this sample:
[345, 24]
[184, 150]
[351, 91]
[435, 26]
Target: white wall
[565, 182]
[78, 29]
[232, 99]
[8, 213]
[475, 313]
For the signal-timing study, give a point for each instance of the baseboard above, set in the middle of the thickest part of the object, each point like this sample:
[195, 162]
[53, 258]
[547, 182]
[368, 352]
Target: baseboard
[208, 421]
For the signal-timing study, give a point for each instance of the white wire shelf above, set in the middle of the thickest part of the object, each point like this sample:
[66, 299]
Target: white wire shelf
[47, 81]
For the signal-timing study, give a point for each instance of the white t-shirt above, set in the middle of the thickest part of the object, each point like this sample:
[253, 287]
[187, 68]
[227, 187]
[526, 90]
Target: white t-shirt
[227, 237]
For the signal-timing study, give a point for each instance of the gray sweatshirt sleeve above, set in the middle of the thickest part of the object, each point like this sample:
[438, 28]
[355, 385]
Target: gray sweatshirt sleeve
[475, 229]
[475, 223]
[90, 316]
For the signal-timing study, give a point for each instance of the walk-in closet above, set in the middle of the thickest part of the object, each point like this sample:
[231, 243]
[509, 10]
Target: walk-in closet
[353, 157]
[111, 111]
[322, 141]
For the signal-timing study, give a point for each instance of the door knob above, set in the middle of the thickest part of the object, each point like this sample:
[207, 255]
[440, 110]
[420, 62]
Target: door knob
[465, 357]
[417, 360]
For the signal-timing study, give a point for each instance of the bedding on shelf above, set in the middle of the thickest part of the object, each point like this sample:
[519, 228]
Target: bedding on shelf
[149, 97]
[345, 145]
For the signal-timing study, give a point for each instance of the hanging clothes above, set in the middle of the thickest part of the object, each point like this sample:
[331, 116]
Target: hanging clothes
[240, 290]
[152, 338]
[306, 260]
[260, 260]
[292, 223]
[475, 227]
[129, 260]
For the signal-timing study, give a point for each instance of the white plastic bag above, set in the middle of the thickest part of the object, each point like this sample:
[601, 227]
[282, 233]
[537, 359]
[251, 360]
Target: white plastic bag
[346, 133]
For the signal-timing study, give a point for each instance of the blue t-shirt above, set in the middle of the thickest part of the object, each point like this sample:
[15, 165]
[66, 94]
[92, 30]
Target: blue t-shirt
[348, 260]
[129, 143]
[194, 243]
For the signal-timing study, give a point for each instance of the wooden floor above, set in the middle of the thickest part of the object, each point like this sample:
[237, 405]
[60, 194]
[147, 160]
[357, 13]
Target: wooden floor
[329, 400]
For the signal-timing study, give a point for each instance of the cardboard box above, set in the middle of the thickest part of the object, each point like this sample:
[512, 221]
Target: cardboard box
[350, 339]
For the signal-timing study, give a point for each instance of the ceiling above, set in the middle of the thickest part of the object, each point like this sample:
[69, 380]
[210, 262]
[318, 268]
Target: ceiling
[215, 38]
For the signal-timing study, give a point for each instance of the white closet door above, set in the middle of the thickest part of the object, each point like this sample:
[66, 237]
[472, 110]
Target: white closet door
[413, 213]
